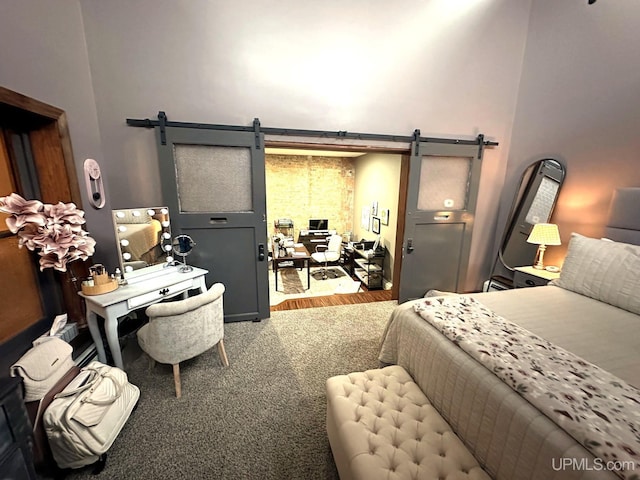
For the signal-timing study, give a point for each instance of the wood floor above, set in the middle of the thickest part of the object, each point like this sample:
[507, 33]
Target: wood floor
[329, 300]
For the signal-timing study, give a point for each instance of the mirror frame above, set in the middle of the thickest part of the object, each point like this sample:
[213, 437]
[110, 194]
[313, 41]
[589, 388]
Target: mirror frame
[164, 241]
[513, 242]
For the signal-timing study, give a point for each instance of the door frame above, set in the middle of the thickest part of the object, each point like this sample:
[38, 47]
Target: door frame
[48, 133]
[51, 143]
[403, 152]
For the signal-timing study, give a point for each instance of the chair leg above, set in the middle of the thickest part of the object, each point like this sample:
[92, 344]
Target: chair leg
[176, 379]
[222, 353]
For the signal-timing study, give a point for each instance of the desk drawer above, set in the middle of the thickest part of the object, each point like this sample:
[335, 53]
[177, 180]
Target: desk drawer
[152, 297]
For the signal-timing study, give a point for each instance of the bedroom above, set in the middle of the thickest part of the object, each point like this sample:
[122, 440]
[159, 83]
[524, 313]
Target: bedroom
[541, 77]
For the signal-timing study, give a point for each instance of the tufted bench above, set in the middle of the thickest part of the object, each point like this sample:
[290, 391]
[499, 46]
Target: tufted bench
[381, 425]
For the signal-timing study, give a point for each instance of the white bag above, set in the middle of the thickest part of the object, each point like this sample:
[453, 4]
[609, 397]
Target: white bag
[42, 366]
[85, 418]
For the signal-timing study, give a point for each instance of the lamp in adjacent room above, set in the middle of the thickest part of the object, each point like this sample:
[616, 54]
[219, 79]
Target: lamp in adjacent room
[543, 234]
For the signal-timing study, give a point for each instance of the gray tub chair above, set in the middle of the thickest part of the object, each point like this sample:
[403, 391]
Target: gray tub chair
[180, 330]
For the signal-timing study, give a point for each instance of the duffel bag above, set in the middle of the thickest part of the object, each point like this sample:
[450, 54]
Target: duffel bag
[85, 418]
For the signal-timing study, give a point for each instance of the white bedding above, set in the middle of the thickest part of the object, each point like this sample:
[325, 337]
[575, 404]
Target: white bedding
[584, 400]
[497, 424]
[600, 333]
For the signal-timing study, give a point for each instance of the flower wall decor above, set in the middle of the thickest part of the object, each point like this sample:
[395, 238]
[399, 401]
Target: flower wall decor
[54, 231]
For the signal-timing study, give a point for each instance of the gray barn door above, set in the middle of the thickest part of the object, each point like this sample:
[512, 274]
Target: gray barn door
[213, 182]
[441, 202]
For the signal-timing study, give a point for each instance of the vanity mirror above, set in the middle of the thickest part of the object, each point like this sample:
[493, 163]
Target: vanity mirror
[182, 246]
[144, 240]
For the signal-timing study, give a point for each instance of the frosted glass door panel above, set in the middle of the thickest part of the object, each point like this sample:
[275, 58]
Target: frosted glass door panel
[444, 183]
[213, 179]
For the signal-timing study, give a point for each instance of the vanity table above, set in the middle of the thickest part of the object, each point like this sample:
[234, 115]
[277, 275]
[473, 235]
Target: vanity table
[144, 292]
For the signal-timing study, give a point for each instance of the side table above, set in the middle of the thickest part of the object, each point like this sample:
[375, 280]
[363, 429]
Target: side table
[532, 277]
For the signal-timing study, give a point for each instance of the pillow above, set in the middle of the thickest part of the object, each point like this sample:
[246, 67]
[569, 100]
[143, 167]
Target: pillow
[604, 270]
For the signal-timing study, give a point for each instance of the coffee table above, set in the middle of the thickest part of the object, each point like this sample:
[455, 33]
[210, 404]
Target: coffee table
[300, 253]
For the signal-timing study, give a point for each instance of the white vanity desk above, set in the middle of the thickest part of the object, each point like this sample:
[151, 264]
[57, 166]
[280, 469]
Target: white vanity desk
[127, 298]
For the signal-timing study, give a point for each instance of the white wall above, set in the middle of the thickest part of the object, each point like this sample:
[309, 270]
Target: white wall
[44, 56]
[448, 67]
[377, 179]
[579, 101]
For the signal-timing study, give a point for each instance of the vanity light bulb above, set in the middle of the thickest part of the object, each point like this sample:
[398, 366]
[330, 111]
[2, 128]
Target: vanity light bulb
[164, 211]
[165, 223]
[124, 242]
[122, 228]
[126, 256]
[120, 214]
[167, 248]
[135, 213]
[151, 213]
[128, 269]
[166, 235]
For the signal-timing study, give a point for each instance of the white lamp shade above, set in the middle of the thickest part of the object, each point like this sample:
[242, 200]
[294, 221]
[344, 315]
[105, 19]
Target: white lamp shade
[544, 234]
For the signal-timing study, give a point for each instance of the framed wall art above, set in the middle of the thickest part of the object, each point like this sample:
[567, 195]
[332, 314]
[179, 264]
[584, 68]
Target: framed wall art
[384, 216]
[375, 224]
[365, 218]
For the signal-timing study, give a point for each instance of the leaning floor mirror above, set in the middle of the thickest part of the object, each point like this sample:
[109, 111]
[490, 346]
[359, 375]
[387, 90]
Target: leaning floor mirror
[144, 241]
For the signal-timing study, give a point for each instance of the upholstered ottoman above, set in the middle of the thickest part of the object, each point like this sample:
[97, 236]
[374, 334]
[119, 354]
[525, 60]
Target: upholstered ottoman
[381, 425]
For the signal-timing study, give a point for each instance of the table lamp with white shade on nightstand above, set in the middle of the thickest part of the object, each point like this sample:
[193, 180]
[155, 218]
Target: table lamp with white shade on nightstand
[543, 234]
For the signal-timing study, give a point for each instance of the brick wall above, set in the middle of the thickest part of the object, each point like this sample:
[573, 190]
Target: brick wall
[302, 187]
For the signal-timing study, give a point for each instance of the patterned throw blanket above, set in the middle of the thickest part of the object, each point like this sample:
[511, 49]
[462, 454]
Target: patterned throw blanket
[596, 408]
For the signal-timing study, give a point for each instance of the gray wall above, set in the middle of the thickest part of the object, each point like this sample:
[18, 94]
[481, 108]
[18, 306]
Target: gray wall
[44, 56]
[579, 101]
[448, 68]
[440, 66]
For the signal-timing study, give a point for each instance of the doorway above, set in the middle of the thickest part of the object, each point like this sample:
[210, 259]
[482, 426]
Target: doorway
[357, 191]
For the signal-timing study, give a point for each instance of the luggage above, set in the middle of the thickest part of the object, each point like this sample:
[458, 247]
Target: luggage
[85, 418]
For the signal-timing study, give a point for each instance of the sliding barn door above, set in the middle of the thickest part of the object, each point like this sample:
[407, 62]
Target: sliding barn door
[441, 202]
[213, 182]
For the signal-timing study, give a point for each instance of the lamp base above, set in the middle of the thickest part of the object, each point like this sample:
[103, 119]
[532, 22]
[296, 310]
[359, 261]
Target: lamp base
[539, 262]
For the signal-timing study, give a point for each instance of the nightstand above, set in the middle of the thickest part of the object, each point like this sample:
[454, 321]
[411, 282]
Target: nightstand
[532, 277]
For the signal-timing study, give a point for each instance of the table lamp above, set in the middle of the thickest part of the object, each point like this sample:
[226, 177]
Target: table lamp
[543, 234]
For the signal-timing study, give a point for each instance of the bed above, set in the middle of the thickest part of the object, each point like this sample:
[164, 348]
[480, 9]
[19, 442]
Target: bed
[592, 314]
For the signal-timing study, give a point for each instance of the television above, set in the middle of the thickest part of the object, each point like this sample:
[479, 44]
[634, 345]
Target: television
[319, 224]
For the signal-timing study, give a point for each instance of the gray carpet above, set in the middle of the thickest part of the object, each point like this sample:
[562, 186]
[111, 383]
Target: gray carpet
[261, 418]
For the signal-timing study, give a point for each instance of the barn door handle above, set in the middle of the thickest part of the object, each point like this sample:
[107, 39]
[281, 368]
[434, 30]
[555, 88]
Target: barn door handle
[410, 245]
[261, 252]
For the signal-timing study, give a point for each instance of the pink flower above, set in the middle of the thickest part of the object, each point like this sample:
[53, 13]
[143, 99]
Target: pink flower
[64, 213]
[24, 212]
[55, 231]
[15, 204]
